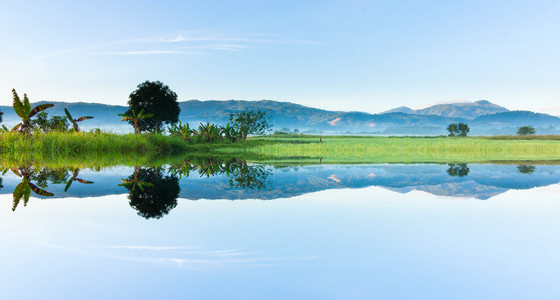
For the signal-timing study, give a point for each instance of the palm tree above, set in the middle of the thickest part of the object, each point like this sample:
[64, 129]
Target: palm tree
[75, 121]
[24, 111]
[136, 118]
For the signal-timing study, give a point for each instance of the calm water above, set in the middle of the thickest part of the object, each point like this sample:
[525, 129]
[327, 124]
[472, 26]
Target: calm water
[215, 230]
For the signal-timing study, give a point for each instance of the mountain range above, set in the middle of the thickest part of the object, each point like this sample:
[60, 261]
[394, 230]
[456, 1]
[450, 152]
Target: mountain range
[483, 117]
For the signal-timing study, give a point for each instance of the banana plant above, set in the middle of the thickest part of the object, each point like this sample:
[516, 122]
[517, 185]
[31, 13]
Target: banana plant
[135, 182]
[75, 121]
[24, 111]
[229, 132]
[182, 130]
[75, 178]
[24, 188]
[210, 132]
[135, 118]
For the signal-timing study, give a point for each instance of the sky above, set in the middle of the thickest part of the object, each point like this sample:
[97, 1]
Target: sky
[346, 55]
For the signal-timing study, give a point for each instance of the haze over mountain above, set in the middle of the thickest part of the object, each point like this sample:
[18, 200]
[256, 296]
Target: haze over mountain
[483, 117]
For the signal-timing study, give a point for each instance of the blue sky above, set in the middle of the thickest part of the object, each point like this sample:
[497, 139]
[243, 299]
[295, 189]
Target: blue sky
[341, 55]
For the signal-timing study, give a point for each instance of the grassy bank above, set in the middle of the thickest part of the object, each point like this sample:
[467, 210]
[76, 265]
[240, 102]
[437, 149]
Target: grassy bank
[101, 150]
[355, 149]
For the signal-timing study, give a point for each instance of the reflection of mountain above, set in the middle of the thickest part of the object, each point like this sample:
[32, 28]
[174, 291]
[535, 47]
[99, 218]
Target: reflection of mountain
[482, 181]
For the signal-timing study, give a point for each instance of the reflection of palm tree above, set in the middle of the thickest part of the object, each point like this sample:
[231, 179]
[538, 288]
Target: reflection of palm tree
[156, 195]
[75, 178]
[135, 182]
[526, 169]
[24, 188]
[459, 170]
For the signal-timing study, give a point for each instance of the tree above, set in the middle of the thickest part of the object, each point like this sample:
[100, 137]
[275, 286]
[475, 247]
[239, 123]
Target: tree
[460, 129]
[254, 122]
[24, 111]
[452, 128]
[75, 121]
[156, 99]
[526, 130]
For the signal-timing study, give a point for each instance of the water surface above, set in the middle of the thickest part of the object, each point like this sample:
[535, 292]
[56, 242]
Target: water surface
[256, 231]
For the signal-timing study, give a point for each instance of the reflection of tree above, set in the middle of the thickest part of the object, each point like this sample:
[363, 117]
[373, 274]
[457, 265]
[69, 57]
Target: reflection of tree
[240, 174]
[459, 170]
[75, 178]
[24, 188]
[156, 194]
[248, 177]
[526, 169]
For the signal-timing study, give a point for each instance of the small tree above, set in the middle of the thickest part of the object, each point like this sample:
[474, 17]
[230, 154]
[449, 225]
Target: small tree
[254, 122]
[460, 129]
[157, 99]
[526, 130]
[452, 128]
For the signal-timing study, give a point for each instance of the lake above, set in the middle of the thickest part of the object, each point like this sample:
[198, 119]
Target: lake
[210, 229]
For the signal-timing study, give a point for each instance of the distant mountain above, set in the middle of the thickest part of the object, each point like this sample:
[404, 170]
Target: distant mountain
[483, 117]
[469, 110]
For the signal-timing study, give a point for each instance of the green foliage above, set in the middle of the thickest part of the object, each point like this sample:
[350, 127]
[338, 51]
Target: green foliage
[526, 130]
[460, 129]
[44, 124]
[182, 130]
[156, 99]
[250, 122]
[135, 119]
[24, 111]
[75, 121]
[210, 132]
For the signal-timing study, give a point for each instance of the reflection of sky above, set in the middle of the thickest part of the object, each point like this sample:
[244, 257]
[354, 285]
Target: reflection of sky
[337, 244]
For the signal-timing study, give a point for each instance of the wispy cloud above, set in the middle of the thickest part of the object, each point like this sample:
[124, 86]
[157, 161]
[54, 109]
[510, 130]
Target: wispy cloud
[140, 52]
[178, 43]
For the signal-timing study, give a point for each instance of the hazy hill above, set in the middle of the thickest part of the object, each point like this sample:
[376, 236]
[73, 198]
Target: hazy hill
[483, 117]
[469, 110]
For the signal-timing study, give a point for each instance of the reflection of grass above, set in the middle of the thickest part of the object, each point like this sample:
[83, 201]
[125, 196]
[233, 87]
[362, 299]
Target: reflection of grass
[340, 149]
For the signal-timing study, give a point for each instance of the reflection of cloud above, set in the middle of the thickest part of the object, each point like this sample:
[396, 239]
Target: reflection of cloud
[333, 178]
[181, 256]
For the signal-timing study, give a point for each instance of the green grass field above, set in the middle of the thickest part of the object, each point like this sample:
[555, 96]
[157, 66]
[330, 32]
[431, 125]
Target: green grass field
[356, 149]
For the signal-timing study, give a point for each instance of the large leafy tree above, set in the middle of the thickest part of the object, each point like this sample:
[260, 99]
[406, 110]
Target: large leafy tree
[157, 99]
[250, 122]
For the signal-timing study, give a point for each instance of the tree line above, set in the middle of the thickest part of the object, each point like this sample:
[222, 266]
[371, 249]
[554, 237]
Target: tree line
[153, 107]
